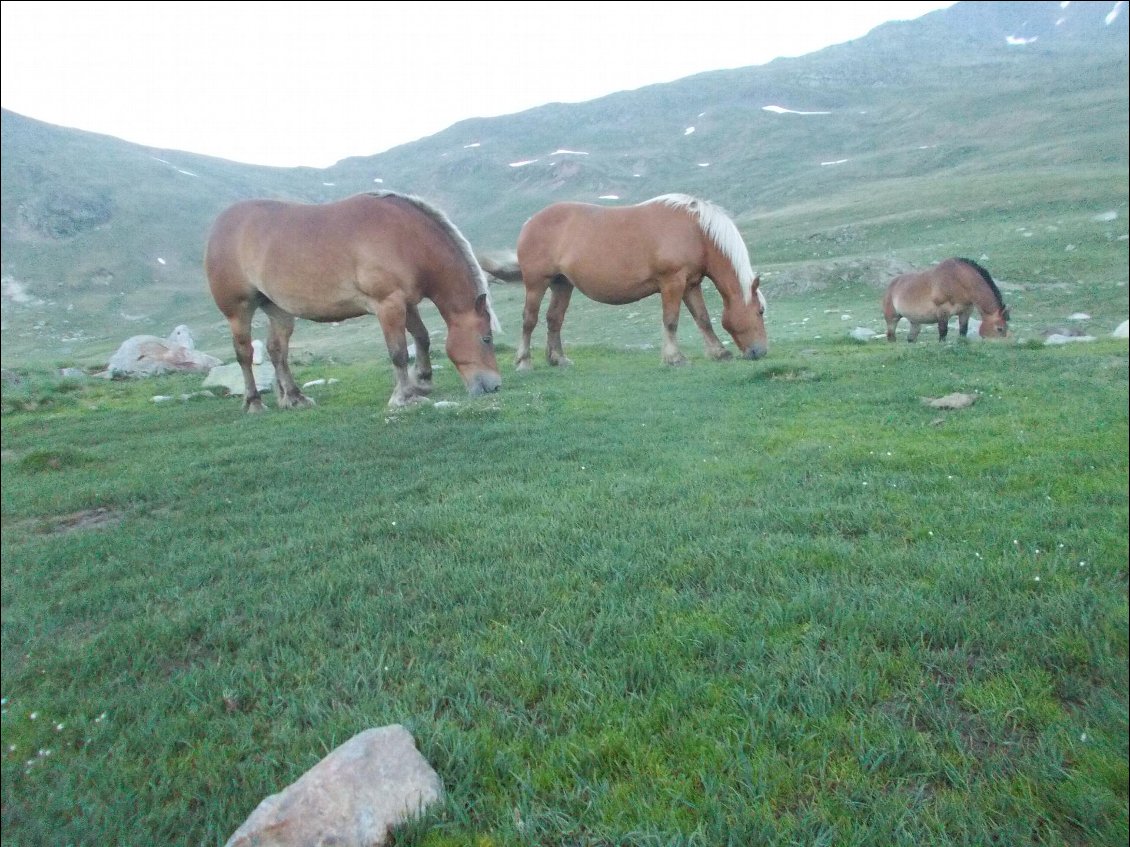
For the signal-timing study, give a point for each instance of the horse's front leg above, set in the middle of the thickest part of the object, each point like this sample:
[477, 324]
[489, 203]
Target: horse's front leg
[943, 328]
[560, 293]
[696, 305]
[423, 375]
[392, 312]
[963, 322]
[278, 348]
[672, 294]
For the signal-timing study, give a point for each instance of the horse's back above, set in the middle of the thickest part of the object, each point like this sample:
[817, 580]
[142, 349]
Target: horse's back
[296, 229]
[253, 232]
[594, 246]
[642, 225]
[322, 262]
[551, 230]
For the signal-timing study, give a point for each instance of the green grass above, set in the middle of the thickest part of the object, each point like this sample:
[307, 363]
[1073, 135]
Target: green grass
[743, 603]
[774, 602]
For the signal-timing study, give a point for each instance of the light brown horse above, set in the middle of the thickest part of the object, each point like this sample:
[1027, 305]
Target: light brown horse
[379, 254]
[622, 254]
[952, 287]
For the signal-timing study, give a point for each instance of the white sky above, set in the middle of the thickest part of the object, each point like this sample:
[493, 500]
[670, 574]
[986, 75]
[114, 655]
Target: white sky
[301, 83]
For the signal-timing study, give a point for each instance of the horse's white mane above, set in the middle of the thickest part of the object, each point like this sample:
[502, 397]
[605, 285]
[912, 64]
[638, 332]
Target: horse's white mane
[722, 231]
[456, 236]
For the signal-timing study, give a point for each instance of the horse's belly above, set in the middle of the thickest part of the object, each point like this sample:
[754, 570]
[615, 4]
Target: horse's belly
[337, 304]
[920, 313]
[613, 292]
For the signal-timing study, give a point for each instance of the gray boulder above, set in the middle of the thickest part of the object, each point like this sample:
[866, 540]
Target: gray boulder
[354, 797]
[148, 355]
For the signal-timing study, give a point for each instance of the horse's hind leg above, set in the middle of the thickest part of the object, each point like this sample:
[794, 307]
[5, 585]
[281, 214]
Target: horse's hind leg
[278, 348]
[423, 375]
[696, 305]
[240, 323]
[892, 320]
[559, 294]
[535, 291]
[943, 329]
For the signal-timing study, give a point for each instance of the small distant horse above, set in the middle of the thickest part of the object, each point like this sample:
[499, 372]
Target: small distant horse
[622, 254]
[377, 253]
[952, 287]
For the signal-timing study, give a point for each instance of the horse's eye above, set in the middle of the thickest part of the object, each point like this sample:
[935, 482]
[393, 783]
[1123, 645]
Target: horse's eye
[487, 339]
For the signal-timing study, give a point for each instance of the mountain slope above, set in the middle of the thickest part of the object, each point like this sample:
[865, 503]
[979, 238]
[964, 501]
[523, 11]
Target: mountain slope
[919, 135]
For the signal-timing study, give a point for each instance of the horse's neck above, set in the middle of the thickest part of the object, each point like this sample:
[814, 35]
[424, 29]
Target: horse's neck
[984, 298]
[452, 296]
[722, 273]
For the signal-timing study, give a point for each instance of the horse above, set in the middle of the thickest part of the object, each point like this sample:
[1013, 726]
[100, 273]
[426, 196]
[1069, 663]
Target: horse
[622, 254]
[377, 253]
[951, 287]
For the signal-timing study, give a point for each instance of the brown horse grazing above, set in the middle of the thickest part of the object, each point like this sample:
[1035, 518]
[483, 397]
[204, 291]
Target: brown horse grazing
[622, 254]
[952, 287]
[378, 254]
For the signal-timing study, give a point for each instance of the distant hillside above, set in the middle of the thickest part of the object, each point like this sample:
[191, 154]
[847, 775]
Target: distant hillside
[977, 115]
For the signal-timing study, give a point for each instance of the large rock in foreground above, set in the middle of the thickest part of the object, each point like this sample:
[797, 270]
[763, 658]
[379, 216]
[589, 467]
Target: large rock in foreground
[354, 797]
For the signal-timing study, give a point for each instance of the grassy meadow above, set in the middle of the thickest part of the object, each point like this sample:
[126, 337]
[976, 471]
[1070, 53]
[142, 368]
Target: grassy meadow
[780, 602]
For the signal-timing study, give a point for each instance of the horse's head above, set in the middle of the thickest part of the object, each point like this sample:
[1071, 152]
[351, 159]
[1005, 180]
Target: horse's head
[994, 324]
[470, 347]
[745, 321]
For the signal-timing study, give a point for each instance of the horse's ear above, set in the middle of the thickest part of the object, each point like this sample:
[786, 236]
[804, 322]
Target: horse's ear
[755, 288]
[483, 307]
[760, 294]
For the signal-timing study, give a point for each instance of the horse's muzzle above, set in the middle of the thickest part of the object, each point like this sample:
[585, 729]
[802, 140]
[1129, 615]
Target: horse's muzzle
[484, 382]
[755, 351]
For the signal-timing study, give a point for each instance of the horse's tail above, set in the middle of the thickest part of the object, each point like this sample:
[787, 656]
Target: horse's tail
[889, 300]
[503, 266]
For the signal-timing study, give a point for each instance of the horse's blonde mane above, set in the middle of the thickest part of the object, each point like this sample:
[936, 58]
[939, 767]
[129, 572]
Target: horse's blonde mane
[464, 245]
[722, 231]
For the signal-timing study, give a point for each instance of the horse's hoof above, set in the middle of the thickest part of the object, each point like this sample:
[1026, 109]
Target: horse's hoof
[523, 365]
[561, 362]
[299, 402]
[722, 356]
[423, 387]
[675, 361]
[396, 402]
[253, 407]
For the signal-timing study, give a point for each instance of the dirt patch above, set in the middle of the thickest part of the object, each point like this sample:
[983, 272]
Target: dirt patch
[957, 400]
[86, 519]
